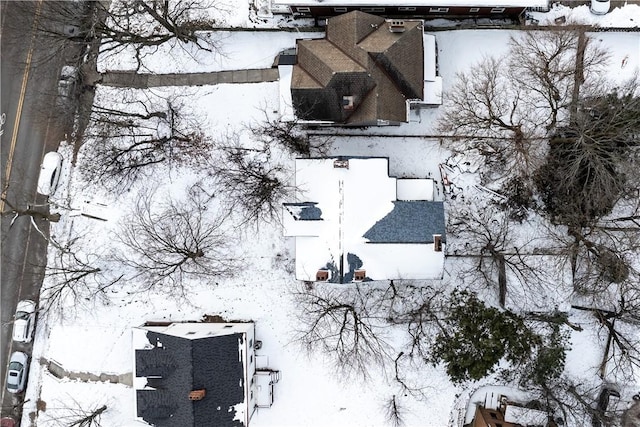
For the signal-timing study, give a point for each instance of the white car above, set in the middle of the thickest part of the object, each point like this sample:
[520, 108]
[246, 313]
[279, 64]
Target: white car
[49, 173]
[17, 372]
[600, 7]
[24, 321]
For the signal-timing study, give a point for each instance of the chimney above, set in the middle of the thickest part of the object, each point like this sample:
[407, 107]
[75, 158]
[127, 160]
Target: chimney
[322, 276]
[396, 26]
[437, 242]
[341, 164]
[347, 102]
[197, 394]
[359, 275]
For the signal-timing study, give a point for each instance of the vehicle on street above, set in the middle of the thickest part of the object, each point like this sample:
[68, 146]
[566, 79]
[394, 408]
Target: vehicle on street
[7, 422]
[24, 321]
[17, 372]
[600, 7]
[49, 173]
[67, 86]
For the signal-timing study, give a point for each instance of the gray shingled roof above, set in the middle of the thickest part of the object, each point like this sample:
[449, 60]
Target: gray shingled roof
[305, 211]
[184, 365]
[409, 222]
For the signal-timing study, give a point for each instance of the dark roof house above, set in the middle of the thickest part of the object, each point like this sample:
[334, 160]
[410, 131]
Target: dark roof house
[362, 73]
[499, 11]
[194, 374]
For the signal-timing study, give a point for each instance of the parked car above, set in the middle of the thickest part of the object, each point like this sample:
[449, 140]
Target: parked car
[7, 422]
[600, 7]
[49, 173]
[67, 86]
[17, 372]
[24, 321]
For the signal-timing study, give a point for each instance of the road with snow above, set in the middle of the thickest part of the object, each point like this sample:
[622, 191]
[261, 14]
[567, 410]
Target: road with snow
[29, 130]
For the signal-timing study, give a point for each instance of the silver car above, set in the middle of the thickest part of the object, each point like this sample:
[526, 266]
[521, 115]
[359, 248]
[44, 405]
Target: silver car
[24, 321]
[67, 83]
[17, 372]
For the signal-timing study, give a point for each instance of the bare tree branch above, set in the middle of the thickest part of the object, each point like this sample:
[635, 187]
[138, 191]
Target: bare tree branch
[170, 241]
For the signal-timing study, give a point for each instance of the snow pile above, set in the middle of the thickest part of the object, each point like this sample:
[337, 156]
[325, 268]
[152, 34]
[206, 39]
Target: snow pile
[618, 17]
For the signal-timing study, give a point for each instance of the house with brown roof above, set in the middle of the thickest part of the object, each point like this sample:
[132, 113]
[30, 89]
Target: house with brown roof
[498, 410]
[366, 71]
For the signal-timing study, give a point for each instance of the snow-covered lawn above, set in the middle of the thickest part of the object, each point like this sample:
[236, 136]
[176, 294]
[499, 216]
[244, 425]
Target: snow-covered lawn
[95, 338]
[238, 50]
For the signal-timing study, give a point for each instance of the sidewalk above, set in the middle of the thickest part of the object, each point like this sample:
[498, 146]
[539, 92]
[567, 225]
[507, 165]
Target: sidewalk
[59, 372]
[133, 79]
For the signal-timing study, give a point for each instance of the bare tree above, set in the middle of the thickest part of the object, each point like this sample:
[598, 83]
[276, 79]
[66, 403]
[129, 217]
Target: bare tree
[36, 212]
[91, 419]
[126, 137]
[419, 309]
[394, 412]
[75, 414]
[253, 181]
[289, 135]
[575, 402]
[339, 322]
[617, 314]
[487, 111]
[169, 241]
[75, 278]
[544, 63]
[506, 109]
[138, 25]
[492, 245]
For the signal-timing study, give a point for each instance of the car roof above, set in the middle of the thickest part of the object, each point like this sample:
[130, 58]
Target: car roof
[26, 305]
[52, 158]
[68, 71]
[18, 356]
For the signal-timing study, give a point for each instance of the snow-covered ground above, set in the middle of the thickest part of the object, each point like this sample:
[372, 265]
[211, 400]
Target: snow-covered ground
[96, 338]
[238, 50]
[618, 17]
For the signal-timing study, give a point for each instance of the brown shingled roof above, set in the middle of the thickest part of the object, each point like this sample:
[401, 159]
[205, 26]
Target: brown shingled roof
[361, 60]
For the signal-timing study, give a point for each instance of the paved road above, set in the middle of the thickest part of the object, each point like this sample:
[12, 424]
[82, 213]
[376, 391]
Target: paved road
[30, 130]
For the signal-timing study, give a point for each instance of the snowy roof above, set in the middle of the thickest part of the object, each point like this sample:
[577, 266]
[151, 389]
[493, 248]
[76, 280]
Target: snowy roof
[415, 189]
[525, 416]
[432, 82]
[168, 366]
[434, 3]
[362, 224]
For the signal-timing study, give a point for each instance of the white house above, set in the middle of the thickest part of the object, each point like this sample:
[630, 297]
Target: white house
[353, 222]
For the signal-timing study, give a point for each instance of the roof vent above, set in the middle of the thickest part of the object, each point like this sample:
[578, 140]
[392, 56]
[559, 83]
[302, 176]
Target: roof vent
[344, 164]
[322, 276]
[197, 394]
[347, 102]
[437, 242]
[396, 26]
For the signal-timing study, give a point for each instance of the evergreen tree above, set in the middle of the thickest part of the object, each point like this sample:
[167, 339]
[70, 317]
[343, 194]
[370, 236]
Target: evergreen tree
[474, 338]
